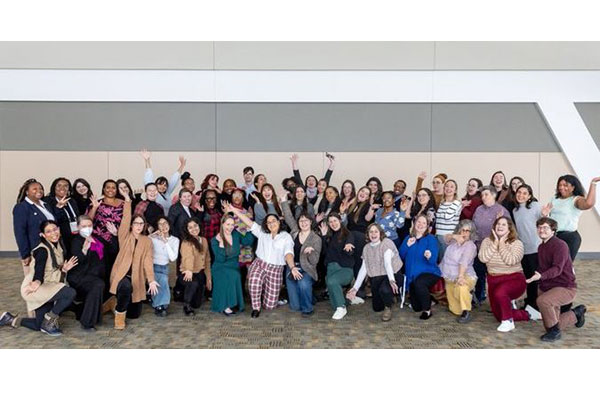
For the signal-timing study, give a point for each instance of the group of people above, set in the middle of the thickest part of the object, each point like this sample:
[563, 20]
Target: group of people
[111, 253]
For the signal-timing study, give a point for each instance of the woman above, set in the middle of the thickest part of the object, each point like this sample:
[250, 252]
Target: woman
[82, 191]
[437, 186]
[227, 291]
[88, 277]
[502, 252]
[28, 214]
[107, 215]
[322, 185]
[483, 218]
[132, 265]
[165, 186]
[339, 247]
[419, 253]
[274, 250]
[311, 184]
[307, 250]
[447, 215]
[229, 186]
[123, 187]
[65, 207]
[300, 204]
[195, 266]
[246, 251]
[165, 249]
[42, 289]
[266, 204]
[330, 204]
[211, 217]
[472, 199]
[211, 181]
[526, 212]
[498, 181]
[389, 219]
[348, 196]
[509, 202]
[425, 205]
[376, 187]
[457, 270]
[188, 183]
[381, 263]
[566, 207]
[150, 208]
[181, 211]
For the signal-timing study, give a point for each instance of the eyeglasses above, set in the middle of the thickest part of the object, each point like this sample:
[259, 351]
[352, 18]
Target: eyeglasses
[543, 228]
[465, 230]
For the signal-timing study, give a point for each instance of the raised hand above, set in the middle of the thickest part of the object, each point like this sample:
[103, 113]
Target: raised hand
[319, 217]
[182, 163]
[112, 229]
[145, 154]
[547, 209]
[95, 201]
[324, 228]
[423, 175]
[62, 202]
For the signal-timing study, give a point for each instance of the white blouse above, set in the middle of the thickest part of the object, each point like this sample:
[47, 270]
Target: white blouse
[165, 252]
[272, 251]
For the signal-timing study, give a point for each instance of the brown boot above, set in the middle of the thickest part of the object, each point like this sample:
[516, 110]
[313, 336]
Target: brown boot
[120, 320]
[387, 314]
[109, 305]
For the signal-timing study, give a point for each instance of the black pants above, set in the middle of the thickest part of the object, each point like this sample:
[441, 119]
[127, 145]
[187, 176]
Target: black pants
[124, 297]
[57, 304]
[90, 290]
[382, 291]
[573, 240]
[420, 299]
[481, 271]
[530, 265]
[111, 249]
[193, 291]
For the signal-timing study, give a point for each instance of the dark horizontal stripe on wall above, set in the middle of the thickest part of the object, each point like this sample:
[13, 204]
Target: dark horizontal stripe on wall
[385, 127]
[590, 113]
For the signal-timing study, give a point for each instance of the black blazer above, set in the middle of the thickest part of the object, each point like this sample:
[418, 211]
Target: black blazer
[27, 219]
[64, 216]
[177, 218]
[87, 264]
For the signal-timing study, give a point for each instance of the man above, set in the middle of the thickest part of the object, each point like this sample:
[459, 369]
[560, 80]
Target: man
[399, 188]
[557, 285]
[248, 185]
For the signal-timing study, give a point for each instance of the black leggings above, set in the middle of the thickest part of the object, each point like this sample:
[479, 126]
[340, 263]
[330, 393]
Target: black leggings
[573, 240]
[57, 304]
[382, 291]
[420, 298]
[193, 291]
[90, 290]
[124, 293]
[530, 265]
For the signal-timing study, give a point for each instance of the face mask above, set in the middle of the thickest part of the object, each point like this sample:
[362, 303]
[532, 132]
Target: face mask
[85, 232]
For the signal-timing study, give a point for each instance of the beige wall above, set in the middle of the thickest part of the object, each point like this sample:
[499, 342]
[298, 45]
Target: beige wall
[539, 169]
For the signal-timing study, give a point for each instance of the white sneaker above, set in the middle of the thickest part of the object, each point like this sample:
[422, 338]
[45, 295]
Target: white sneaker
[506, 326]
[356, 300]
[339, 313]
[282, 302]
[534, 314]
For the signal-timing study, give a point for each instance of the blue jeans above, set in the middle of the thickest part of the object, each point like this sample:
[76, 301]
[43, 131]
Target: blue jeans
[161, 275]
[300, 292]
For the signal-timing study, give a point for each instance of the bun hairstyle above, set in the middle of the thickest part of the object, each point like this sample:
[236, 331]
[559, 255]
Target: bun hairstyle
[185, 176]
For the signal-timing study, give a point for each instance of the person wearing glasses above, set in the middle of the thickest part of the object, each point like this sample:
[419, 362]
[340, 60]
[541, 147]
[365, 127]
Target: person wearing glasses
[211, 218]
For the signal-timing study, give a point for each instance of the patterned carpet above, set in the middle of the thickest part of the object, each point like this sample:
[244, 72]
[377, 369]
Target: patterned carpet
[284, 329]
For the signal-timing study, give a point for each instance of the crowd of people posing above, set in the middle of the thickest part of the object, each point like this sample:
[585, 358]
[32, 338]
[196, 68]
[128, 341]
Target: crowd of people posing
[94, 254]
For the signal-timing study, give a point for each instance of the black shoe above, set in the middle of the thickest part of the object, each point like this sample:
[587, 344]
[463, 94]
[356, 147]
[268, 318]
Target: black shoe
[255, 313]
[188, 310]
[178, 296]
[88, 330]
[580, 314]
[464, 318]
[307, 314]
[7, 319]
[552, 335]
[425, 315]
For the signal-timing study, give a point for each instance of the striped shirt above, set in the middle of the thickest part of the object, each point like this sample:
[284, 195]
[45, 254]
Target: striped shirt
[447, 217]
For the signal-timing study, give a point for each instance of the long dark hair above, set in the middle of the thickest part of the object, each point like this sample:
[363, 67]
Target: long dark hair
[504, 185]
[344, 232]
[379, 186]
[359, 206]
[55, 182]
[531, 199]
[294, 201]
[25, 187]
[85, 183]
[131, 194]
[273, 199]
[477, 193]
[204, 183]
[188, 237]
[417, 209]
[51, 246]
[353, 193]
[573, 180]
[335, 206]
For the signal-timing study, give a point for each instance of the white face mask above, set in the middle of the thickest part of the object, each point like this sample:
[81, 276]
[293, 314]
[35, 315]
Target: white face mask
[85, 232]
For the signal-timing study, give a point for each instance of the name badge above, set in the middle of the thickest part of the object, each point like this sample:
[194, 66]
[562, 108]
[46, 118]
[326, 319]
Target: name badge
[73, 226]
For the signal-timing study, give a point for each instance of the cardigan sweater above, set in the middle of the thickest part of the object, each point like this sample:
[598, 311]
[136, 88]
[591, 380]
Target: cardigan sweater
[194, 260]
[308, 262]
[414, 259]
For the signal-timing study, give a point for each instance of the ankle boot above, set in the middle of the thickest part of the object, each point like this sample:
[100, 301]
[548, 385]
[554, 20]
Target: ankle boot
[109, 305]
[120, 320]
[551, 335]
[50, 324]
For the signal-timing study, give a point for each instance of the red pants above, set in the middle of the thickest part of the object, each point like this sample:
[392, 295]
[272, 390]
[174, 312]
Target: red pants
[502, 290]
[264, 283]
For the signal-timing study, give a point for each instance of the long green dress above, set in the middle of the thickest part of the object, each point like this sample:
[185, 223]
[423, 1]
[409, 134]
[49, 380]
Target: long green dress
[226, 277]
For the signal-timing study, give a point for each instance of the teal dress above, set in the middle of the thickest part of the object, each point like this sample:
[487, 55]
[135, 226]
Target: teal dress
[226, 278]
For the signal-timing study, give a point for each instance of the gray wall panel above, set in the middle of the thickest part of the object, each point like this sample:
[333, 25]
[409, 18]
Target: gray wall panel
[319, 127]
[590, 113]
[107, 126]
[490, 127]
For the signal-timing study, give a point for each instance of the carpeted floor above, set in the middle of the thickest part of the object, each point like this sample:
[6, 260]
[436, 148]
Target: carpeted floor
[282, 328]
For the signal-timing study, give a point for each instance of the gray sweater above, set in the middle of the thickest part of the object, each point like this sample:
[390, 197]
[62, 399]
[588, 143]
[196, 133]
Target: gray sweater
[525, 219]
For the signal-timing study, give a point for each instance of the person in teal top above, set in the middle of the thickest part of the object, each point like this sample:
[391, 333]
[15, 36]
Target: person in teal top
[227, 283]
